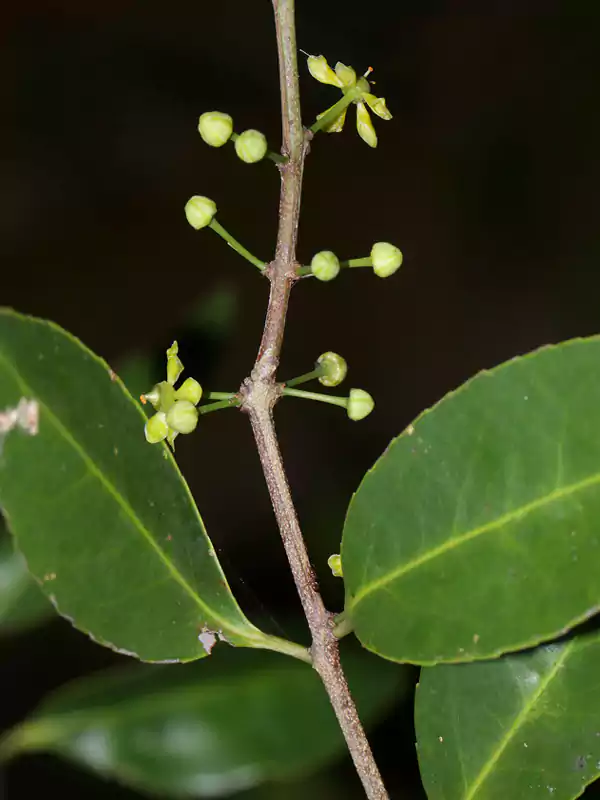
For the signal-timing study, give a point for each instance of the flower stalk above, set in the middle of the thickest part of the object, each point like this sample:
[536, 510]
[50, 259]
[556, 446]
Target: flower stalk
[237, 246]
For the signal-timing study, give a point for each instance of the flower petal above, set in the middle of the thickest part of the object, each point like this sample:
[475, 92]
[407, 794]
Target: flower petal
[322, 72]
[364, 126]
[337, 124]
[377, 105]
[174, 365]
[346, 74]
[156, 428]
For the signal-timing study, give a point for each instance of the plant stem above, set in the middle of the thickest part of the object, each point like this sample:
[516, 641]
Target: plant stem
[303, 272]
[334, 112]
[308, 376]
[239, 248]
[343, 626]
[321, 398]
[219, 395]
[350, 262]
[233, 402]
[357, 262]
[260, 392]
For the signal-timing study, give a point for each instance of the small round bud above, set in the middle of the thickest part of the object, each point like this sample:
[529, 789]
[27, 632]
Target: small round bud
[200, 211]
[334, 563]
[182, 417]
[251, 146]
[325, 265]
[334, 369]
[156, 428]
[189, 390]
[215, 128]
[360, 404]
[386, 259]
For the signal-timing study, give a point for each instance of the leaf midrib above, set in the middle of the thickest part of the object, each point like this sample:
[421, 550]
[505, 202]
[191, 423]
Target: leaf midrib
[518, 722]
[118, 497]
[456, 541]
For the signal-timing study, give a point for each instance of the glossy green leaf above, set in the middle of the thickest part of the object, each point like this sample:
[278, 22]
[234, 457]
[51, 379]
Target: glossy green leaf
[105, 520]
[526, 725]
[22, 603]
[478, 530]
[206, 730]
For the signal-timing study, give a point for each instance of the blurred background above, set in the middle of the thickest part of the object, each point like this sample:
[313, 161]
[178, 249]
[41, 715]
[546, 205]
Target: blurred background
[487, 178]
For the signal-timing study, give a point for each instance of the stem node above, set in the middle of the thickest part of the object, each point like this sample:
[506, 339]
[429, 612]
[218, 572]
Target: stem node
[260, 391]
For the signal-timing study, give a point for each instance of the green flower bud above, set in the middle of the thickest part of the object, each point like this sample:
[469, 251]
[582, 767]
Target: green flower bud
[200, 211]
[189, 390]
[251, 146]
[325, 265]
[322, 72]
[346, 74]
[360, 404]
[364, 126]
[174, 365]
[215, 128]
[334, 563]
[156, 428]
[182, 417]
[386, 259]
[334, 369]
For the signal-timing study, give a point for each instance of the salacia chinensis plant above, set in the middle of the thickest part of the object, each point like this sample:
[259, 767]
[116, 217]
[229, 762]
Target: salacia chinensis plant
[471, 548]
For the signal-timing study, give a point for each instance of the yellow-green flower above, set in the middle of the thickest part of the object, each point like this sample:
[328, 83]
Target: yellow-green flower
[355, 90]
[176, 410]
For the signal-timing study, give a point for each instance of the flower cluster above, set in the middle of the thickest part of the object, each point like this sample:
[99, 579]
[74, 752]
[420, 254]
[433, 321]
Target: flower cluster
[356, 90]
[176, 410]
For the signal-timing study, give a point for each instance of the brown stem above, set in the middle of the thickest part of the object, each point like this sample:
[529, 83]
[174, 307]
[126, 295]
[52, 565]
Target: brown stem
[260, 392]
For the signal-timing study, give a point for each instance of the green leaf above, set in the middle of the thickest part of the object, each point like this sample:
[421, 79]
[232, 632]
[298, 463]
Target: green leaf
[478, 530]
[105, 520]
[22, 603]
[526, 725]
[233, 722]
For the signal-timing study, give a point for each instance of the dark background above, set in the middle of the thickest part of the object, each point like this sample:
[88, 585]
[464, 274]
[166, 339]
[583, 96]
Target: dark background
[486, 178]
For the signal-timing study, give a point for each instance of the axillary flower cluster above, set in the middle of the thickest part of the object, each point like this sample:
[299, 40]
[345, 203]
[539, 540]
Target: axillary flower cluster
[177, 409]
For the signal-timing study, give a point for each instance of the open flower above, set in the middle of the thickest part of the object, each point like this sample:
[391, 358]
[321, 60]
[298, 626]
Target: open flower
[176, 410]
[355, 90]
